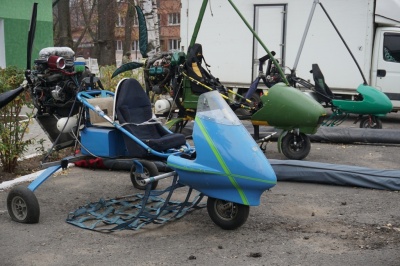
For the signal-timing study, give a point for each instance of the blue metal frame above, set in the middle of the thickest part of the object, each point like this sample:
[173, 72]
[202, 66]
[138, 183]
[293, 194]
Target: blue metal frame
[43, 177]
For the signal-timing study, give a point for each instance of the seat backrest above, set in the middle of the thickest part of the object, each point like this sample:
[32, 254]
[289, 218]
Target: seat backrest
[196, 71]
[133, 107]
[134, 112]
[323, 91]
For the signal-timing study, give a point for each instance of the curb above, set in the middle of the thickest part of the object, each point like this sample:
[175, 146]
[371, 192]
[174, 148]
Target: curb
[26, 178]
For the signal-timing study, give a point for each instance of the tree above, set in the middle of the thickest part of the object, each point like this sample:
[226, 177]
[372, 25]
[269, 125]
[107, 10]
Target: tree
[129, 19]
[106, 11]
[82, 14]
[64, 37]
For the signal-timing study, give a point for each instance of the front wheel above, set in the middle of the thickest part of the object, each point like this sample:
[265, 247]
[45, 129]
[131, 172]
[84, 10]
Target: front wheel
[23, 206]
[371, 122]
[149, 169]
[296, 147]
[227, 215]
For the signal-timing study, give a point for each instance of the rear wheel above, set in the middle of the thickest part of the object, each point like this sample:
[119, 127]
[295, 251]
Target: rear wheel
[227, 215]
[149, 170]
[23, 206]
[371, 122]
[296, 147]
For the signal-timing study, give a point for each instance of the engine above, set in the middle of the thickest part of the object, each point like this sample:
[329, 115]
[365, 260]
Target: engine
[157, 73]
[54, 81]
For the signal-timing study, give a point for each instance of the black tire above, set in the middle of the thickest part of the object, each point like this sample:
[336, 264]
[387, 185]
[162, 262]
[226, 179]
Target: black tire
[150, 169]
[226, 214]
[296, 147]
[23, 206]
[374, 122]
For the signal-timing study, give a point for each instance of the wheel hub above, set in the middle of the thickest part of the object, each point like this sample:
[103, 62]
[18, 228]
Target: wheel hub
[19, 208]
[226, 209]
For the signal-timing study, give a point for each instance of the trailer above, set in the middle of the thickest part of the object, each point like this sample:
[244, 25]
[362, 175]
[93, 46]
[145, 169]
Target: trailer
[371, 29]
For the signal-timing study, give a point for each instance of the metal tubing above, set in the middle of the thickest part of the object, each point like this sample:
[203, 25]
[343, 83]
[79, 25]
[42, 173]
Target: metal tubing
[43, 177]
[261, 43]
[345, 44]
[303, 39]
[156, 178]
[198, 23]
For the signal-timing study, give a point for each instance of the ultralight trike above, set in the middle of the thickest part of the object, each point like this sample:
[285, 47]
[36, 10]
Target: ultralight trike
[227, 164]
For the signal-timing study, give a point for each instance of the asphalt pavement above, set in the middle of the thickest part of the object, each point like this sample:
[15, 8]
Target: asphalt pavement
[296, 223]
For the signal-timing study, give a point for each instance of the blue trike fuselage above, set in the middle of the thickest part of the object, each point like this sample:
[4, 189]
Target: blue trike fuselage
[229, 164]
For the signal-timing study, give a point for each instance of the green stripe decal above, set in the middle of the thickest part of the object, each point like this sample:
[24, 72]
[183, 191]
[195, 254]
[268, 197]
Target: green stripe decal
[219, 173]
[221, 161]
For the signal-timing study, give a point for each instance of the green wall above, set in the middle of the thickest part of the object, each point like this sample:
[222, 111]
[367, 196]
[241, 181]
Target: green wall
[16, 16]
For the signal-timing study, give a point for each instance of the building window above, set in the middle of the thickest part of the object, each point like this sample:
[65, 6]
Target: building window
[135, 45]
[119, 45]
[120, 21]
[174, 44]
[174, 19]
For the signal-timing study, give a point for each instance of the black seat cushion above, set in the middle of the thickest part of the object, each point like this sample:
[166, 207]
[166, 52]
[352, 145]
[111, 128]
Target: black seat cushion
[133, 109]
[323, 91]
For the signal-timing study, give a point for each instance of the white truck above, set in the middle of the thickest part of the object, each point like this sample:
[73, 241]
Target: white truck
[371, 29]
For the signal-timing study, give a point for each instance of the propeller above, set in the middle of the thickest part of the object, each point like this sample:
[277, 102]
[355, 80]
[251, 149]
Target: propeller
[126, 67]
[8, 96]
[143, 41]
[31, 36]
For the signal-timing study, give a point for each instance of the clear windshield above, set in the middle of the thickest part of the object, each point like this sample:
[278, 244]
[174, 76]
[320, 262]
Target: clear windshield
[212, 106]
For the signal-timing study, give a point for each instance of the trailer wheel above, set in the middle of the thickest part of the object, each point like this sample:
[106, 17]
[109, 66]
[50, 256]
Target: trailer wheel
[149, 169]
[371, 122]
[23, 206]
[296, 147]
[227, 215]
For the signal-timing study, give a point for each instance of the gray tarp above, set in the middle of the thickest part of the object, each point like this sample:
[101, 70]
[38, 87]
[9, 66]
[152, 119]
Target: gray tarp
[345, 135]
[352, 135]
[309, 172]
[336, 174]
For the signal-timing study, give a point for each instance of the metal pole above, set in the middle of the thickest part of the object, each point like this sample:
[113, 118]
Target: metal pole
[198, 23]
[145, 181]
[345, 44]
[304, 35]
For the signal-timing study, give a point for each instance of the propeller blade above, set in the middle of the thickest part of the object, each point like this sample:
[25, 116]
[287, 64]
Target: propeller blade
[8, 96]
[143, 39]
[31, 36]
[126, 67]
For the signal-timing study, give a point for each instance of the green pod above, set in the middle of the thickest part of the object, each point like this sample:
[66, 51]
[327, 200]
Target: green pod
[287, 108]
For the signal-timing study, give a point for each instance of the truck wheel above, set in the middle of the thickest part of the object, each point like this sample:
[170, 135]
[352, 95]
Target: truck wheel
[149, 169]
[227, 215]
[371, 122]
[23, 206]
[296, 147]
